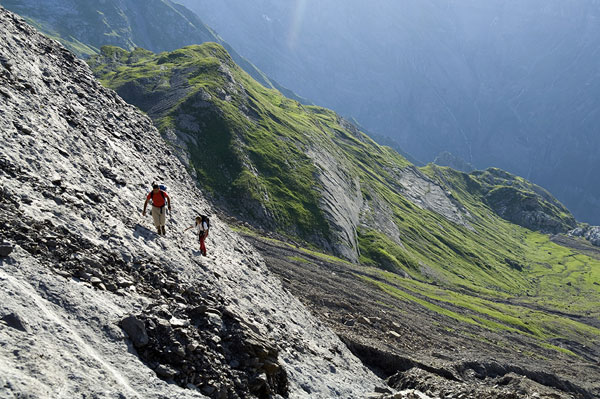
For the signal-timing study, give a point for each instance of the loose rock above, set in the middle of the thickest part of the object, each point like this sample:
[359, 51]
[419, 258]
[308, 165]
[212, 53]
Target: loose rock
[136, 331]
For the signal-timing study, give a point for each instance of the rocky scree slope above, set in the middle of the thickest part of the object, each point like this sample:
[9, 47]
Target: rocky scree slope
[307, 173]
[93, 303]
[83, 26]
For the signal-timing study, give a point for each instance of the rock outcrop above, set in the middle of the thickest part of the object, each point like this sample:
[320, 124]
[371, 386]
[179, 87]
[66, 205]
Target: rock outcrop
[510, 197]
[590, 233]
[93, 302]
[524, 203]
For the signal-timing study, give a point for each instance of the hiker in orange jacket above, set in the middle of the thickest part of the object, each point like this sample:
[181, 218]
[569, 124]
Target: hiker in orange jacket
[159, 199]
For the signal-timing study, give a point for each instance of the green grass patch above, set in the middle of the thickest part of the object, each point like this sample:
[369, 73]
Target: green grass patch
[494, 313]
[298, 259]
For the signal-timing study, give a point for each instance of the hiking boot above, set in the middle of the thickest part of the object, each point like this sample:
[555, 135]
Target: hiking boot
[163, 231]
[158, 230]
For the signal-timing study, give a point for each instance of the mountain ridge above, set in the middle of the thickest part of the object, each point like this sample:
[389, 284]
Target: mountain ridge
[157, 25]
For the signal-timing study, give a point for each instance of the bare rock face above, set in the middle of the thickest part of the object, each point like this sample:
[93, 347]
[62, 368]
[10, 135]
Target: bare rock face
[136, 330]
[590, 233]
[75, 164]
[427, 194]
[341, 200]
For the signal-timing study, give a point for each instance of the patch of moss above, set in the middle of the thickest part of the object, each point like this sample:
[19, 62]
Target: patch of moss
[377, 249]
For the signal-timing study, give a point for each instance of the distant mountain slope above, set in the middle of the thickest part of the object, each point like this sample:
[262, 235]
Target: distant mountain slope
[84, 26]
[92, 302]
[501, 83]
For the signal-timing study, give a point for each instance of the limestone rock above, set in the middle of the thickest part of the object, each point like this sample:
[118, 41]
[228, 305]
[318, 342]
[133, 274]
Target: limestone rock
[136, 330]
[15, 321]
[5, 249]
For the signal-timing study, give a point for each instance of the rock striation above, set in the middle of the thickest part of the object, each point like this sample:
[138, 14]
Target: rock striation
[93, 302]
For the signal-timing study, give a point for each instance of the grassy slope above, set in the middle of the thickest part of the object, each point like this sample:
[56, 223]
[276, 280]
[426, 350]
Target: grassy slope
[249, 146]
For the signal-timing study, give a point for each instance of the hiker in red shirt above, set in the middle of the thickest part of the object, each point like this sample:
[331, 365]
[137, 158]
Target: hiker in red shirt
[159, 199]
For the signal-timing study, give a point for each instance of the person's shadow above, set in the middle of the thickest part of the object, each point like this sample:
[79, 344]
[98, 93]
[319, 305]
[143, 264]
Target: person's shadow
[142, 231]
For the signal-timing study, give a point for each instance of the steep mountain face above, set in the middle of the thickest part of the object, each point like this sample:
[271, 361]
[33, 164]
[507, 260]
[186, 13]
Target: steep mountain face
[93, 303]
[157, 25]
[507, 84]
[523, 203]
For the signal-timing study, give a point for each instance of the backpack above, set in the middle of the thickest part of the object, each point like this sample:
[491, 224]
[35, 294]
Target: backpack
[161, 187]
[205, 219]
